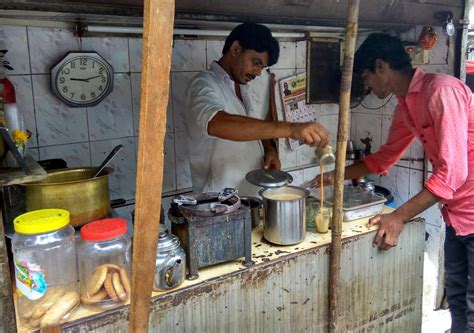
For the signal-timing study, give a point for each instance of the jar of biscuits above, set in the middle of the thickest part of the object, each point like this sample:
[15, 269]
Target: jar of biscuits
[104, 264]
[45, 267]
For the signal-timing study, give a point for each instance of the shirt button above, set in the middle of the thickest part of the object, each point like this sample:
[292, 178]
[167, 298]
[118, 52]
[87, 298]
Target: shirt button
[424, 141]
[422, 136]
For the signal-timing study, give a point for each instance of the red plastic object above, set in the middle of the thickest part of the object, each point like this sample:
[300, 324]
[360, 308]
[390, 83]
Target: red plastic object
[8, 91]
[105, 229]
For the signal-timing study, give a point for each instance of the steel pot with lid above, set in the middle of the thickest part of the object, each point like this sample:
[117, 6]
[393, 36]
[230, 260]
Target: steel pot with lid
[284, 206]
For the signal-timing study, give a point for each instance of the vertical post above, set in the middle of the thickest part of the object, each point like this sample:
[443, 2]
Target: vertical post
[158, 20]
[342, 137]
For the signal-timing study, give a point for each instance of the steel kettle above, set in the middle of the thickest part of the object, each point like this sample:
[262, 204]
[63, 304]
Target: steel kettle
[170, 267]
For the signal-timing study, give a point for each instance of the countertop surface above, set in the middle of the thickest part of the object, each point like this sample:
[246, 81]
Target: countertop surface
[262, 252]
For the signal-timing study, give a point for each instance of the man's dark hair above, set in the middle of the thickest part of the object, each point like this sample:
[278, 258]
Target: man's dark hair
[257, 37]
[384, 47]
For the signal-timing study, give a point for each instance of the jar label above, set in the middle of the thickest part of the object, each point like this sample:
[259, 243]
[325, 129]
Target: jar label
[30, 281]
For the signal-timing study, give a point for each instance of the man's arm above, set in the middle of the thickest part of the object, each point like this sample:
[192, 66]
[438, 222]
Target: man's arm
[355, 170]
[240, 128]
[391, 225]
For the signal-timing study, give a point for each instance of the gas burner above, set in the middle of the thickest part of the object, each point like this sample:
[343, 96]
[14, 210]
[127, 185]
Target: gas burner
[207, 204]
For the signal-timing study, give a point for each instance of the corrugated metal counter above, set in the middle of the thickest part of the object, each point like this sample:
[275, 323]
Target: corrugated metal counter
[287, 290]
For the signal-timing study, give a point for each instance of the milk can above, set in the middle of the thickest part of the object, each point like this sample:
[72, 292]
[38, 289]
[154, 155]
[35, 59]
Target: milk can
[45, 267]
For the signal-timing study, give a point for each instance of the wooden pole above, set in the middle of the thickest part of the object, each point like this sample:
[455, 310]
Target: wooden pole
[342, 137]
[158, 20]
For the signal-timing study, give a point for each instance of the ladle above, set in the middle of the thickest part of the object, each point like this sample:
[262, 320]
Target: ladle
[107, 160]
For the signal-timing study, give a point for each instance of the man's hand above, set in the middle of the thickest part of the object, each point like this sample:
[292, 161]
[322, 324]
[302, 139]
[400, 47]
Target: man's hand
[271, 160]
[328, 180]
[312, 134]
[390, 227]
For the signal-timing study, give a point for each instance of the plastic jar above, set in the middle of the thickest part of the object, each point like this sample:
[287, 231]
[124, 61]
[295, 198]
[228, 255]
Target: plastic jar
[104, 264]
[45, 267]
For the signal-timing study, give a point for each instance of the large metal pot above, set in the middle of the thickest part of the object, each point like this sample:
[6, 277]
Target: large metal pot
[284, 214]
[86, 198]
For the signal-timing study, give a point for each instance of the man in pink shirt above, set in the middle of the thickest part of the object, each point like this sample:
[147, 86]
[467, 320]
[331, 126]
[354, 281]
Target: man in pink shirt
[438, 110]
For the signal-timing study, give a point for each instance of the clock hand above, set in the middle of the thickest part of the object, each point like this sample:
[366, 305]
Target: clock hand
[76, 79]
[93, 77]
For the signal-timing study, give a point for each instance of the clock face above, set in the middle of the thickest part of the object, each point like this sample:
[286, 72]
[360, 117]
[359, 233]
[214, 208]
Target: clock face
[82, 79]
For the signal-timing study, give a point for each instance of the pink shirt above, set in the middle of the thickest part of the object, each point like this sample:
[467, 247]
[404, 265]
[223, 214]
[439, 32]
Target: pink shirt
[439, 110]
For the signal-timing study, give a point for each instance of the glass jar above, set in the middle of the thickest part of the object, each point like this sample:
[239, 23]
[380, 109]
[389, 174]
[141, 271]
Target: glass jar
[104, 264]
[45, 267]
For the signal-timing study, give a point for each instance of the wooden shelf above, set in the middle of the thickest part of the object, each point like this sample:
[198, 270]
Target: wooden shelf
[16, 176]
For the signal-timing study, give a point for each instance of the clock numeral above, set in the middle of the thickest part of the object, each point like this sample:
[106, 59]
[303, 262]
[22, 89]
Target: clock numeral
[73, 64]
[101, 88]
[83, 61]
[101, 70]
[83, 97]
[72, 95]
[103, 79]
[93, 94]
[65, 71]
[62, 80]
[65, 90]
[93, 64]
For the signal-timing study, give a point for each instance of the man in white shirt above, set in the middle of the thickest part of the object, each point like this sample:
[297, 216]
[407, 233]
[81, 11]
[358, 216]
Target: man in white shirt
[224, 143]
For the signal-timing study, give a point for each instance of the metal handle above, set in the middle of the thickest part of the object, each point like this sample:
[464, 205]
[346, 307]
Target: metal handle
[108, 159]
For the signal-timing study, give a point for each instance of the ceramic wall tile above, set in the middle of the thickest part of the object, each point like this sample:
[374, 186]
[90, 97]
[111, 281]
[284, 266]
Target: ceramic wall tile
[386, 122]
[122, 180]
[433, 216]
[113, 117]
[125, 212]
[310, 173]
[135, 47]
[166, 204]
[24, 101]
[389, 104]
[416, 153]
[183, 170]
[135, 81]
[327, 109]
[169, 170]
[56, 122]
[440, 68]
[14, 40]
[288, 157]
[33, 152]
[397, 182]
[353, 130]
[369, 126]
[179, 84]
[416, 182]
[287, 59]
[75, 155]
[48, 45]
[213, 51]
[189, 55]
[305, 155]
[113, 49]
[330, 122]
[370, 102]
[298, 177]
[301, 55]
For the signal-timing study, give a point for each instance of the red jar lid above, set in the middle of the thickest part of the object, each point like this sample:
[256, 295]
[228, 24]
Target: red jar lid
[105, 229]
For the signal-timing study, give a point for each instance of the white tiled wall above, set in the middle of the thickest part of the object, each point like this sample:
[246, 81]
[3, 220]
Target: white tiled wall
[82, 136]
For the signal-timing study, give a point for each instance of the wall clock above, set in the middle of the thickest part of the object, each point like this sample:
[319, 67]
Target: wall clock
[82, 79]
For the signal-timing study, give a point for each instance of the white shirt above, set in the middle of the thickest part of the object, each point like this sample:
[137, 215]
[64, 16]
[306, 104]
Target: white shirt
[218, 163]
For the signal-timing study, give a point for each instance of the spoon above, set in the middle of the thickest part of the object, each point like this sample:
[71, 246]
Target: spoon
[107, 160]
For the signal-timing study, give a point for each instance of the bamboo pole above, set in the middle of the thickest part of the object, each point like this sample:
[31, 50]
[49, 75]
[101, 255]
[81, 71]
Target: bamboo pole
[156, 62]
[342, 137]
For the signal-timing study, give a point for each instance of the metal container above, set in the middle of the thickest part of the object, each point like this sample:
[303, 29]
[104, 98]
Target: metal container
[170, 266]
[86, 198]
[284, 214]
[255, 205]
[372, 204]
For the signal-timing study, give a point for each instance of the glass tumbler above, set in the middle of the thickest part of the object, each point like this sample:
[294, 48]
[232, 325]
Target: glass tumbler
[323, 220]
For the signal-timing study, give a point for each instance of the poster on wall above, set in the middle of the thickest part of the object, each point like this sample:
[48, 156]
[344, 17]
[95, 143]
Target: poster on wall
[293, 96]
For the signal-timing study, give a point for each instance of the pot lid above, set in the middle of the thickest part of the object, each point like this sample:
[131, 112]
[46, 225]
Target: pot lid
[167, 242]
[269, 178]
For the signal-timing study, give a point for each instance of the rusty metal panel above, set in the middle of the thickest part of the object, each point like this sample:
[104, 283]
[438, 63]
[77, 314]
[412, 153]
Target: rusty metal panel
[381, 292]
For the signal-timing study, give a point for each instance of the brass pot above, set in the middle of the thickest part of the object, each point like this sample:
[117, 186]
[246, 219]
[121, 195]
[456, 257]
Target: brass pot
[86, 198]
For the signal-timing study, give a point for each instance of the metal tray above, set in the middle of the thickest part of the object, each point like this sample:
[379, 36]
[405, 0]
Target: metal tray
[372, 204]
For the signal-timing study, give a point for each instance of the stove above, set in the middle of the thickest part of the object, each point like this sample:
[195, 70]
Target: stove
[210, 240]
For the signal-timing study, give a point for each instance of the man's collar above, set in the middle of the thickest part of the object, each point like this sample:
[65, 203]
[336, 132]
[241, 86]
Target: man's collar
[416, 83]
[220, 72]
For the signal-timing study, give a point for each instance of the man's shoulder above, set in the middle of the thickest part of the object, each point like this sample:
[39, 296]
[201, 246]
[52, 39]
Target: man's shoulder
[440, 80]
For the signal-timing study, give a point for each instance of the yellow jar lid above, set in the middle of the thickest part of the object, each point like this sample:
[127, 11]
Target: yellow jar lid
[41, 221]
